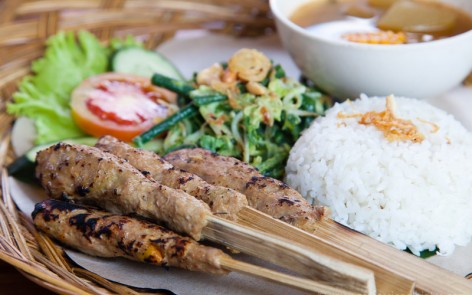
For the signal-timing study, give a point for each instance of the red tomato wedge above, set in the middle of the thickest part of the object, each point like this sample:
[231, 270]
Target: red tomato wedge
[121, 105]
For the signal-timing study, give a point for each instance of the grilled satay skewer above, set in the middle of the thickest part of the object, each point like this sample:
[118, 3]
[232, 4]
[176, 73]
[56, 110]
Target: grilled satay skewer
[223, 201]
[285, 204]
[88, 175]
[265, 194]
[391, 266]
[102, 234]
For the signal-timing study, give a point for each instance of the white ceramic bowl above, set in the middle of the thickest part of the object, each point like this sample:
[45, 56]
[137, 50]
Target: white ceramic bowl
[346, 69]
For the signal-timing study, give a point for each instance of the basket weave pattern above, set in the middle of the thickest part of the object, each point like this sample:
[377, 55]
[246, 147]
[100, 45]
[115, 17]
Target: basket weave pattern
[24, 27]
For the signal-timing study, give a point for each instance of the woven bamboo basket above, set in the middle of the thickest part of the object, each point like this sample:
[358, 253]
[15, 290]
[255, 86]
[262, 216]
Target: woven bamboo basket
[24, 27]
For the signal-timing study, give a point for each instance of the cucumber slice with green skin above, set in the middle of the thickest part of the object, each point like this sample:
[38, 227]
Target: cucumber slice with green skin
[142, 62]
[23, 167]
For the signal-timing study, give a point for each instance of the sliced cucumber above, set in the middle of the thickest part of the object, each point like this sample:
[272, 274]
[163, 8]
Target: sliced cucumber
[142, 62]
[23, 167]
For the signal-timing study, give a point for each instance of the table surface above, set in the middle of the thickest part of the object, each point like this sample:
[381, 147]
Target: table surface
[13, 282]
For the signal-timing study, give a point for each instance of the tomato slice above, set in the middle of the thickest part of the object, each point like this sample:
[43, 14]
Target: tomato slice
[121, 105]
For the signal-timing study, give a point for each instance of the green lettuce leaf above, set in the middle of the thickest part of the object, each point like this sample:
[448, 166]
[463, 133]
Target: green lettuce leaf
[44, 96]
[129, 41]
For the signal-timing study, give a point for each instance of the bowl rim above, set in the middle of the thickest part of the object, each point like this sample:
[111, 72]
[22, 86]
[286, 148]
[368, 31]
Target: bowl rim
[280, 16]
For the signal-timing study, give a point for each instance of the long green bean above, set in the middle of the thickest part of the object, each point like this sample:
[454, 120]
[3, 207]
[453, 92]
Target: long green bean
[186, 112]
[200, 100]
[178, 86]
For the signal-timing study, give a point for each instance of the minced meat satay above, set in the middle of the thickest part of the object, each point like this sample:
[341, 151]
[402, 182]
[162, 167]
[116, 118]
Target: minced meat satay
[265, 194]
[223, 201]
[88, 175]
[103, 234]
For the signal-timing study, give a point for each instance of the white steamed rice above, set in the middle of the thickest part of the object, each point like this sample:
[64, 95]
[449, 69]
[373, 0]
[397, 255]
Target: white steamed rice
[415, 195]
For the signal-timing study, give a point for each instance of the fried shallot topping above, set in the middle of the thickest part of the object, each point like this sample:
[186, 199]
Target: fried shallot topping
[247, 66]
[393, 128]
[381, 37]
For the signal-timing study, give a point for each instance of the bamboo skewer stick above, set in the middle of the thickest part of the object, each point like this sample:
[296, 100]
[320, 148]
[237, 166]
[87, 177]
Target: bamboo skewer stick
[310, 263]
[394, 270]
[299, 283]
[429, 278]
[386, 280]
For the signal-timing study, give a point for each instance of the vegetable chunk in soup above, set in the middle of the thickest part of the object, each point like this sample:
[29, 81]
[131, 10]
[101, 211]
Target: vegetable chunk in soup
[382, 21]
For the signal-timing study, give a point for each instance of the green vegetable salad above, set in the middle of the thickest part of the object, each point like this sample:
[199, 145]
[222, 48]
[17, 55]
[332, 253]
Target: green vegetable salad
[256, 118]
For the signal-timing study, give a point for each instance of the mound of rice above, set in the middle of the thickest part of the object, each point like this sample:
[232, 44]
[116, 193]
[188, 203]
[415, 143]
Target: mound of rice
[415, 195]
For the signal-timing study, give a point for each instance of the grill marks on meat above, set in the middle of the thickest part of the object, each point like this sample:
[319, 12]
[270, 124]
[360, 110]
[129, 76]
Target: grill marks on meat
[103, 234]
[87, 175]
[223, 201]
[265, 194]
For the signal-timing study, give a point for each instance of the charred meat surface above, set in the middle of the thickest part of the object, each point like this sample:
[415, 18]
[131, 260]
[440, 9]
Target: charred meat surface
[88, 175]
[223, 201]
[265, 194]
[104, 234]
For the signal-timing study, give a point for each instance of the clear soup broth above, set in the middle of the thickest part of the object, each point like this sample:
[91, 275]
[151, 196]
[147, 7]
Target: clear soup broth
[382, 21]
